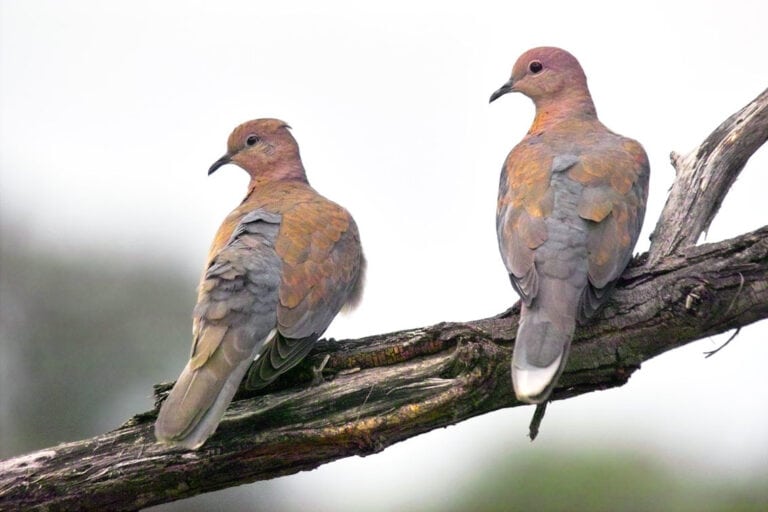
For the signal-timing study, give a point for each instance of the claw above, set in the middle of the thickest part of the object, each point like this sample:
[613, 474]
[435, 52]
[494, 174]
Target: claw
[317, 372]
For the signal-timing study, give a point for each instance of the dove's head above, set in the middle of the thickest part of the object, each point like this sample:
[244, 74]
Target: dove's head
[546, 74]
[266, 150]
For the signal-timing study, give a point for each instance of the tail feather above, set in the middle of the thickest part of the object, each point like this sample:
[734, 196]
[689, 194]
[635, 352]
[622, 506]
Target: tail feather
[194, 407]
[544, 340]
[541, 351]
[196, 404]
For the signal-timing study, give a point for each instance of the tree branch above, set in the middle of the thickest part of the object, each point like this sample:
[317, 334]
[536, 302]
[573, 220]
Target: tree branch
[386, 388]
[705, 176]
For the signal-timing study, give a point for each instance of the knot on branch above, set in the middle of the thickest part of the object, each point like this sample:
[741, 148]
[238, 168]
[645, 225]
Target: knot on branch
[697, 296]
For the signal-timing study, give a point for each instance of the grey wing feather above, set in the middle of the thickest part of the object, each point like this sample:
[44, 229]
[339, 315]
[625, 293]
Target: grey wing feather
[276, 358]
[234, 317]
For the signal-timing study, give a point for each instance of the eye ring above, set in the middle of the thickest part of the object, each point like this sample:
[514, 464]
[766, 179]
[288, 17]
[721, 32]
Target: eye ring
[535, 66]
[252, 140]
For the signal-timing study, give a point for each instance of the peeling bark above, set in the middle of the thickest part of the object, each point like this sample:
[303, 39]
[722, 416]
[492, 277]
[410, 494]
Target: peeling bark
[704, 177]
[387, 388]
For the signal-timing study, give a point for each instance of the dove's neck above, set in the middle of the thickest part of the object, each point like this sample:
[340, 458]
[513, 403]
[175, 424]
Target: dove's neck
[576, 104]
[287, 170]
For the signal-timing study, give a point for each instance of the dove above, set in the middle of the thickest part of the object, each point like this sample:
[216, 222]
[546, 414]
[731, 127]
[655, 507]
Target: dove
[281, 266]
[571, 203]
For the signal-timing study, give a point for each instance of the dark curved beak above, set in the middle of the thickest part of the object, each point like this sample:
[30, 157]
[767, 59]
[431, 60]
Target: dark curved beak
[504, 89]
[218, 163]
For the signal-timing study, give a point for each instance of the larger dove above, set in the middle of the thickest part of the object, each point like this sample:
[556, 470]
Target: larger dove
[570, 208]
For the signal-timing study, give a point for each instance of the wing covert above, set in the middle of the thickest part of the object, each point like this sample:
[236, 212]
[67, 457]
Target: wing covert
[613, 200]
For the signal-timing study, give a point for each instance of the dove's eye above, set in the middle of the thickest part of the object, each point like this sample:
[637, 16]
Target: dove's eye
[535, 66]
[251, 140]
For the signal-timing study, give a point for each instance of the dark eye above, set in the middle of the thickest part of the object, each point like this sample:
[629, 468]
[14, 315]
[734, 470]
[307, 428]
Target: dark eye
[251, 140]
[535, 66]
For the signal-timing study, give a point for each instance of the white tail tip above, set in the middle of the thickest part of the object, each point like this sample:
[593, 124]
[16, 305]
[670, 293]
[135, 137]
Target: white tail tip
[532, 383]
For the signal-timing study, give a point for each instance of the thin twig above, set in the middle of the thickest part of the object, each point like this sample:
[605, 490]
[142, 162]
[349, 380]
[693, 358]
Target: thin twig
[721, 347]
[538, 417]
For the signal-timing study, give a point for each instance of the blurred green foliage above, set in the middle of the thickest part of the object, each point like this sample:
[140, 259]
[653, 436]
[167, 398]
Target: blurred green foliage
[617, 481]
[82, 340]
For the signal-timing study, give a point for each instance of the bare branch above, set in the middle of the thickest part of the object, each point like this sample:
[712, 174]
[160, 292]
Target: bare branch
[705, 176]
[391, 387]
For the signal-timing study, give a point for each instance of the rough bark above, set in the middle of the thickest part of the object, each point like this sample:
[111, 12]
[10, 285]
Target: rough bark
[383, 389]
[704, 177]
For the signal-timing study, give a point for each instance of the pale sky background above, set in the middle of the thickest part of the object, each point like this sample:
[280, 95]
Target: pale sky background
[111, 113]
